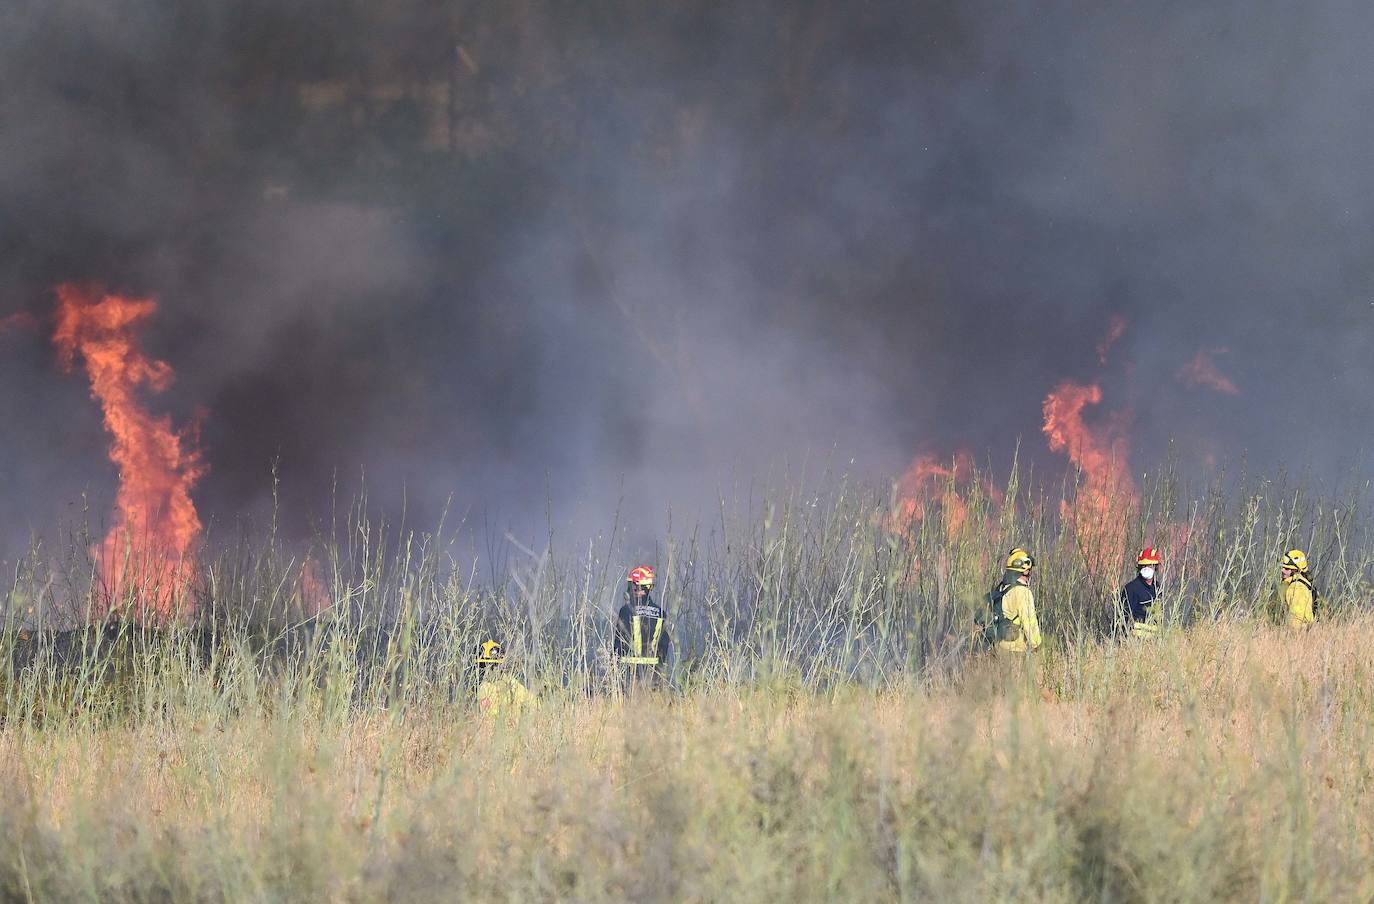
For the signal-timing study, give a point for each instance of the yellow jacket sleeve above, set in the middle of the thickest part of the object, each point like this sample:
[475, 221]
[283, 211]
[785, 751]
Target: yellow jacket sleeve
[1299, 598]
[1019, 606]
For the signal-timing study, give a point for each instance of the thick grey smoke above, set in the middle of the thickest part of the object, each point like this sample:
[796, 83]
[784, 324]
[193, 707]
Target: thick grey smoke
[559, 255]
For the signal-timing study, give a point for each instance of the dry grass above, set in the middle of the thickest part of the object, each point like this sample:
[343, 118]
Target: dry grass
[828, 735]
[1230, 761]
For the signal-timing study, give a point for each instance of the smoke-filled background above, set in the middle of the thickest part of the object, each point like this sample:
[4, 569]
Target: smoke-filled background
[554, 259]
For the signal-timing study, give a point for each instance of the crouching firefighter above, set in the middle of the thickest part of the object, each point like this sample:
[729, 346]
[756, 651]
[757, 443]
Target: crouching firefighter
[1298, 593]
[1139, 598]
[641, 635]
[499, 693]
[1010, 624]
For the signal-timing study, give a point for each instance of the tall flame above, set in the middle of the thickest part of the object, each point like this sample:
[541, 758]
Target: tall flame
[144, 556]
[1100, 512]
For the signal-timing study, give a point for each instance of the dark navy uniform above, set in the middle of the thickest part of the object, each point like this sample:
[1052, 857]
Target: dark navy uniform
[1138, 606]
[641, 638]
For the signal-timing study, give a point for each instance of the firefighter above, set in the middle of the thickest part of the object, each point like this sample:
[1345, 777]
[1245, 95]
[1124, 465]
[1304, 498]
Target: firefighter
[1298, 592]
[1018, 630]
[1138, 607]
[641, 635]
[500, 693]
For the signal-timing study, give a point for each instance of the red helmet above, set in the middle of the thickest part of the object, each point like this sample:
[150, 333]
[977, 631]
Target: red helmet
[1148, 556]
[642, 576]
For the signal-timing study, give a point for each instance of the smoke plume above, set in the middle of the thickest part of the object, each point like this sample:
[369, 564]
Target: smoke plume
[549, 258]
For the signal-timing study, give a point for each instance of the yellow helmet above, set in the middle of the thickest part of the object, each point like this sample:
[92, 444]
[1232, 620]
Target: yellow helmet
[490, 653]
[1295, 559]
[1020, 561]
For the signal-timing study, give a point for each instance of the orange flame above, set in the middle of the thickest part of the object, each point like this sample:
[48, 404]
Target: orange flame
[144, 556]
[927, 482]
[953, 487]
[1100, 512]
[1203, 371]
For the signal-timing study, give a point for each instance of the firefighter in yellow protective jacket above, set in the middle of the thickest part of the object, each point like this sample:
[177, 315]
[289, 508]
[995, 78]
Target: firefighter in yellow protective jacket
[1018, 628]
[1298, 593]
[500, 694]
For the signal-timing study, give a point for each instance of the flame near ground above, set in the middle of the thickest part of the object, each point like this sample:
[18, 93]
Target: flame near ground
[1106, 494]
[144, 559]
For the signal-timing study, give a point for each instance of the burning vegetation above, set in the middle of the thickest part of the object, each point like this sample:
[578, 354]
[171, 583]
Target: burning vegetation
[929, 483]
[144, 560]
[1106, 495]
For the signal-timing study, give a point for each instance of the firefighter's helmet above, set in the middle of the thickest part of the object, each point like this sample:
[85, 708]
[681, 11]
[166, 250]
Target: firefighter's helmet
[1019, 560]
[641, 576]
[1148, 556]
[490, 653]
[1295, 559]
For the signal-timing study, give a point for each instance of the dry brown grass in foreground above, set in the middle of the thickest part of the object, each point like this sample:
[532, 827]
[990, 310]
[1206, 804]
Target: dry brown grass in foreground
[1229, 762]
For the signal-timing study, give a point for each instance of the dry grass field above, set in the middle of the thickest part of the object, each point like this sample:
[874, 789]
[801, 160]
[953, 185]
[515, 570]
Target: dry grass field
[1228, 762]
[828, 734]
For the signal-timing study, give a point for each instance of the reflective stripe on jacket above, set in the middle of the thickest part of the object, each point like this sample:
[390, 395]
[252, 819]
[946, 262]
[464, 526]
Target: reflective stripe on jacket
[640, 636]
[643, 651]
